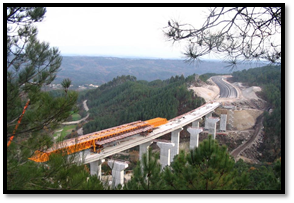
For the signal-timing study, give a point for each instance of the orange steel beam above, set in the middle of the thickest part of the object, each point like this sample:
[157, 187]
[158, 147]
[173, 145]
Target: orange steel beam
[18, 122]
[157, 121]
[87, 141]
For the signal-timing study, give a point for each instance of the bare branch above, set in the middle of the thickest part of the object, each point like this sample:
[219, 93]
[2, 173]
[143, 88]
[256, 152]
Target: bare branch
[248, 34]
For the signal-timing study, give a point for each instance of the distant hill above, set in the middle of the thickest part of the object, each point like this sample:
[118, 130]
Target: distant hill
[99, 70]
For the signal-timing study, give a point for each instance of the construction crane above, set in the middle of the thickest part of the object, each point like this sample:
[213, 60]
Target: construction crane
[96, 140]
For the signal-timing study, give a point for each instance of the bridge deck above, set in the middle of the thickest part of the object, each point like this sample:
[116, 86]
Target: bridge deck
[172, 125]
[124, 135]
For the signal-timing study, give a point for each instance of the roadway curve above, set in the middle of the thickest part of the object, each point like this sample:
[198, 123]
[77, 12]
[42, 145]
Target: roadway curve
[226, 89]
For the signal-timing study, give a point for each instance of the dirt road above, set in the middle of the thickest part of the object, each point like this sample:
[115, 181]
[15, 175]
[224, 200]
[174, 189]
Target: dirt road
[76, 122]
[257, 129]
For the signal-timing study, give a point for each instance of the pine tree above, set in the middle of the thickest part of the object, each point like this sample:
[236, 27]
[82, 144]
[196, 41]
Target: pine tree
[147, 174]
[31, 64]
[208, 167]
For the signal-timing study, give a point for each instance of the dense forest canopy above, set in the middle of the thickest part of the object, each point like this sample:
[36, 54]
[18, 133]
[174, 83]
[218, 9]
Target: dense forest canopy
[124, 99]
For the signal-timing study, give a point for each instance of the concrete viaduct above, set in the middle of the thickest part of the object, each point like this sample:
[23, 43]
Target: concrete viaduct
[167, 149]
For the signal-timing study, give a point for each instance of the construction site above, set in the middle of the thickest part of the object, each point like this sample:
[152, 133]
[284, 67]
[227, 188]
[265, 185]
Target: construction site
[241, 115]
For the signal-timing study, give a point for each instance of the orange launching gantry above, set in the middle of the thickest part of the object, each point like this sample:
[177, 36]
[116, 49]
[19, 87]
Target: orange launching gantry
[99, 138]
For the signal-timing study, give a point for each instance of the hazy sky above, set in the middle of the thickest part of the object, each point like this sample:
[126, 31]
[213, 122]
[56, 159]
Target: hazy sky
[115, 31]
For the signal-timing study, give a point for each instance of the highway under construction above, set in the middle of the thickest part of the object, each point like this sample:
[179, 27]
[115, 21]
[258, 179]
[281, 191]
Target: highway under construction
[97, 141]
[94, 147]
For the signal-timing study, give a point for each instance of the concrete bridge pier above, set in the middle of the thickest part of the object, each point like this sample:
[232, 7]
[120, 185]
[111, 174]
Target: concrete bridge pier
[175, 138]
[195, 124]
[194, 136]
[117, 172]
[95, 168]
[143, 149]
[206, 122]
[212, 126]
[165, 153]
[223, 122]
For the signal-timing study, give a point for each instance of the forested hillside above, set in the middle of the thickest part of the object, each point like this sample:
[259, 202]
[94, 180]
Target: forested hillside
[269, 78]
[98, 70]
[125, 99]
